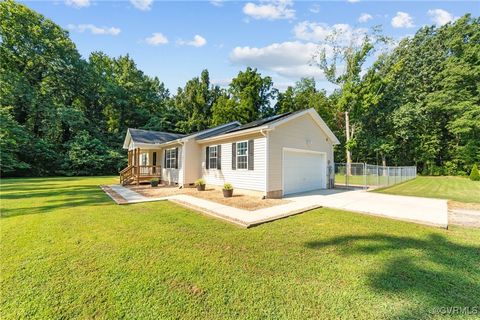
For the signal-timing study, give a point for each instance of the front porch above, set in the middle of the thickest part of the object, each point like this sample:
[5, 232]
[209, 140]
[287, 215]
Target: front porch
[142, 166]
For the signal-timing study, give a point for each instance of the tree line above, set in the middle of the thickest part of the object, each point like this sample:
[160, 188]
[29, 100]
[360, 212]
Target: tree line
[61, 114]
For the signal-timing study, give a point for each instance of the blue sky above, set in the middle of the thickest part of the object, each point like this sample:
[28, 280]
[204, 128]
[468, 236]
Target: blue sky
[176, 40]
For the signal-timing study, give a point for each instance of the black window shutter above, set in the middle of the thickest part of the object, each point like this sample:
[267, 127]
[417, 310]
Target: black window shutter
[207, 158]
[219, 157]
[234, 156]
[250, 155]
[165, 158]
[154, 160]
[176, 158]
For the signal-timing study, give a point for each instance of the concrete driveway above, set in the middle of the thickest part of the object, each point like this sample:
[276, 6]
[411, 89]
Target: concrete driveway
[415, 209]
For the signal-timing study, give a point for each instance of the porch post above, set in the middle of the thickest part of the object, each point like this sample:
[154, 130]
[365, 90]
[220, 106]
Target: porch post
[138, 166]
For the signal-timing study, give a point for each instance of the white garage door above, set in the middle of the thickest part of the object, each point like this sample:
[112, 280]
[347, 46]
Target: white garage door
[303, 171]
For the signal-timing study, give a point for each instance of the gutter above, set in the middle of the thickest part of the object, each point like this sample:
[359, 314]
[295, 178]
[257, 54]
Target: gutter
[235, 134]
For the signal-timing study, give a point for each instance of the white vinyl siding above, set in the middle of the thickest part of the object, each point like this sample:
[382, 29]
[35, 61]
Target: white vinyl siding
[191, 161]
[240, 179]
[301, 133]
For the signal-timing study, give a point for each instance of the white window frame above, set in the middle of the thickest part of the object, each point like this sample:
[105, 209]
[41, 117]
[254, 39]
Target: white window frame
[245, 155]
[170, 158]
[210, 148]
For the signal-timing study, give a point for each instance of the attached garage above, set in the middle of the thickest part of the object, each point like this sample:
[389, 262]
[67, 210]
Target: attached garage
[303, 170]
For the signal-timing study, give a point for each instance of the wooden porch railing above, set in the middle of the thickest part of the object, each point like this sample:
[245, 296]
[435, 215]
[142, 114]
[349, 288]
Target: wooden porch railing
[133, 174]
[126, 175]
[148, 171]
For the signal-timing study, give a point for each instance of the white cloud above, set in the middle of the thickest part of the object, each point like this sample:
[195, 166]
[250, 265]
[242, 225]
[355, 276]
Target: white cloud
[402, 20]
[198, 41]
[319, 32]
[216, 3]
[287, 59]
[111, 31]
[270, 10]
[364, 17]
[78, 3]
[353, 1]
[143, 5]
[156, 39]
[221, 82]
[315, 8]
[441, 17]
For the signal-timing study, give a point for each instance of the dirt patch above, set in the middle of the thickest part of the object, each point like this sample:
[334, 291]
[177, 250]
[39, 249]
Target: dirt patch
[115, 196]
[154, 192]
[464, 214]
[464, 217]
[463, 205]
[242, 199]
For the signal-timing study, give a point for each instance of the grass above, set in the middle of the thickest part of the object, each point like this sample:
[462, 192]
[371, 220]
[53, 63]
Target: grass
[369, 180]
[68, 252]
[452, 188]
[352, 180]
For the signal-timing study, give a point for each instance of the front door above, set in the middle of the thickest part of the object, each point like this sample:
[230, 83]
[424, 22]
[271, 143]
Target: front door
[154, 162]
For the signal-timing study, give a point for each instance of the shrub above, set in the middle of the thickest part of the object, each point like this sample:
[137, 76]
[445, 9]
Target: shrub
[200, 182]
[154, 180]
[450, 168]
[474, 175]
[433, 170]
[227, 186]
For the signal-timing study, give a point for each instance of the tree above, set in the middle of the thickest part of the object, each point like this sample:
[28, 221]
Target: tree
[89, 156]
[420, 102]
[341, 58]
[12, 138]
[252, 94]
[194, 103]
[474, 175]
[40, 75]
[305, 95]
[225, 110]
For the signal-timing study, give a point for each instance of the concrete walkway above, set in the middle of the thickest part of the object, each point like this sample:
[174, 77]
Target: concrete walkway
[420, 210]
[415, 209]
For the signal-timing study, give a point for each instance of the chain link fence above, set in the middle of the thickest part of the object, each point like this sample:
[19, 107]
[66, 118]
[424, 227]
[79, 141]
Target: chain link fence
[363, 175]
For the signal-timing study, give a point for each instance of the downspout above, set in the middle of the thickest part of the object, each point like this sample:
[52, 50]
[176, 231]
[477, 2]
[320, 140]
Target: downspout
[267, 183]
[182, 143]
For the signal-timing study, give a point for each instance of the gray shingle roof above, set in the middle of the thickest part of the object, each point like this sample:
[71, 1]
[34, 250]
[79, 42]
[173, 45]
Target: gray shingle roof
[157, 137]
[256, 123]
[154, 137]
[217, 130]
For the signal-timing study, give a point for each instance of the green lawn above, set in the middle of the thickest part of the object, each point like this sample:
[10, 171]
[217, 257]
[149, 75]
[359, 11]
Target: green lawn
[451, 188]
[68, 252]
[369, 180]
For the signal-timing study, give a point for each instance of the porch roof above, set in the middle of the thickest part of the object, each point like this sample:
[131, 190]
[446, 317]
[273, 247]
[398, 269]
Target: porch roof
[149, 137]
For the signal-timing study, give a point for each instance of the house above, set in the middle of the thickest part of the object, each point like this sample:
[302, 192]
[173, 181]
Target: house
[279, 155]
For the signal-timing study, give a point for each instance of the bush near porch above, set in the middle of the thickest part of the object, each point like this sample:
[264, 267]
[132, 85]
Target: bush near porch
[67, 251]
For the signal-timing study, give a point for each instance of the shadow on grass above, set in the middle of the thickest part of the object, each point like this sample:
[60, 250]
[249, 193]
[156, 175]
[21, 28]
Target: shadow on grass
[56, 197]
[48, 192]
[430, 273]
